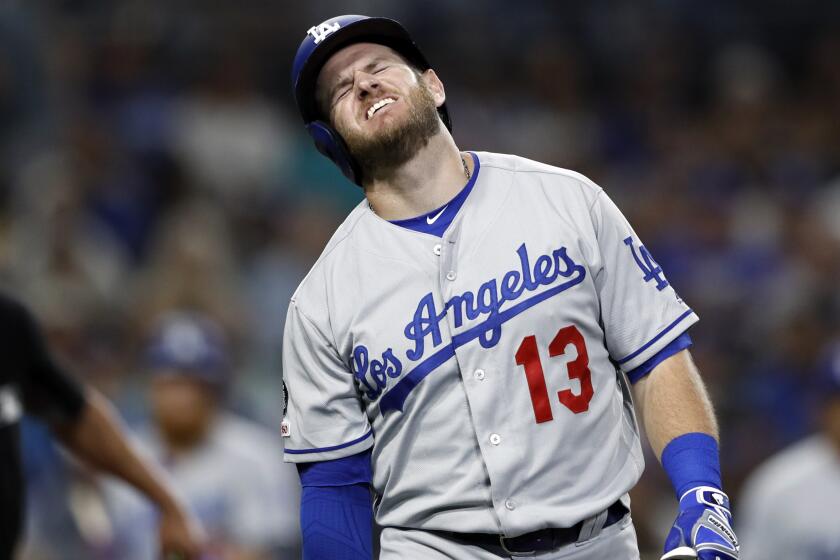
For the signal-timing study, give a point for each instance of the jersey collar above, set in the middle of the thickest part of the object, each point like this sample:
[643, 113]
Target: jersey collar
[436, 221]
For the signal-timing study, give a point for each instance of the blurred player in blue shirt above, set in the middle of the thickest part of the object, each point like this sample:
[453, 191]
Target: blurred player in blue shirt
[228, 469]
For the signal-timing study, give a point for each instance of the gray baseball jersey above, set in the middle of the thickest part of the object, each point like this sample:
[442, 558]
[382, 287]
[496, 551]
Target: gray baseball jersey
[233, 482]
[484, 367]
[789, 505]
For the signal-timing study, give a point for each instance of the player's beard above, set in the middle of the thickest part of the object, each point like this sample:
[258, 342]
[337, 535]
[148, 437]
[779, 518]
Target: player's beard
[380, 153]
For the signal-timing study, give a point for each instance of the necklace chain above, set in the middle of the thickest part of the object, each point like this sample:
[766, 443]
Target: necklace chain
[466, 173]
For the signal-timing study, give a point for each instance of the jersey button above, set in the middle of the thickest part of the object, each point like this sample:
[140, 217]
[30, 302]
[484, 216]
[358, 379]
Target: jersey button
[451, 275]
[495, 439]
[510, 504]
[437, 249]
[479, 374]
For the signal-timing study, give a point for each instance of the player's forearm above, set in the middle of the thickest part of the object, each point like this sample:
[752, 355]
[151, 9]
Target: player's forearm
[98, 439]
[673, 401]
[682, 430]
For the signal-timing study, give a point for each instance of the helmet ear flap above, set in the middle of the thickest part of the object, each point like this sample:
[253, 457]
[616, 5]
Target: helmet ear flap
[330, 144]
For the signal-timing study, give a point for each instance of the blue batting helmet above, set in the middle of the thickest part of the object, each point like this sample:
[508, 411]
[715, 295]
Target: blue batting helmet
[320, 43]
[828, 374]
[190, 345]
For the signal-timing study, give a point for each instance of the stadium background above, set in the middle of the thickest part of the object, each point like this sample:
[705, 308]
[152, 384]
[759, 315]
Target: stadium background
[151, 158]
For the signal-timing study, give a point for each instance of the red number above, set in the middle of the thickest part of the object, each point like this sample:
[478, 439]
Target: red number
[528, 356]
[578, 368]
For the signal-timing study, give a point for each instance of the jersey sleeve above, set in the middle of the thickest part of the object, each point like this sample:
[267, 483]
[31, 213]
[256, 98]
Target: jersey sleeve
[49, 392]
[640, 311]
[324, 418]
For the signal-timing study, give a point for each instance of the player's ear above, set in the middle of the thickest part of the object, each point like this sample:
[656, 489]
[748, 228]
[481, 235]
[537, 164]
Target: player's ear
[435, 86]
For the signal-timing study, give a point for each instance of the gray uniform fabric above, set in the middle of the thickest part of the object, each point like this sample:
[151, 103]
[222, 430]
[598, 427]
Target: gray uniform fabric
[616, 542]
[789, 505]
[235, 484]
[484, 368]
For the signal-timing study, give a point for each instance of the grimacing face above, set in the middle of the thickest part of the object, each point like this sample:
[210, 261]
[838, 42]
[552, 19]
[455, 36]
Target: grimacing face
[383, 108]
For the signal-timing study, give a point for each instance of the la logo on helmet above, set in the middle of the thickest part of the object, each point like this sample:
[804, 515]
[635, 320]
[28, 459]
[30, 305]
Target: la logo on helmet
[321, 32]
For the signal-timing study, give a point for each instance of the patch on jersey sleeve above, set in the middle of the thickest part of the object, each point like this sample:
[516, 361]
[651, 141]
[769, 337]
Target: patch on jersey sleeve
[285, 426]
[644, 260]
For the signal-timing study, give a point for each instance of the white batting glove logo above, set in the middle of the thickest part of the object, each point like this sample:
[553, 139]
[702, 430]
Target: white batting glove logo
[703, 528]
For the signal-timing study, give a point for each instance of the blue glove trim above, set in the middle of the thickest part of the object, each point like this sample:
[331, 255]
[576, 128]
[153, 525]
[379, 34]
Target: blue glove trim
[692, 460]
[704, 525]
[678, 344]
[355, 469]
[337, 522]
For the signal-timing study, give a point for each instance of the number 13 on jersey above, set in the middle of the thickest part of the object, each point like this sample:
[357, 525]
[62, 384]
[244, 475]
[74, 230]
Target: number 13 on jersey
[528, 356]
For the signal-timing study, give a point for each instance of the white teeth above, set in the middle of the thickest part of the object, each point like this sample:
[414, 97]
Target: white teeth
[378, 105]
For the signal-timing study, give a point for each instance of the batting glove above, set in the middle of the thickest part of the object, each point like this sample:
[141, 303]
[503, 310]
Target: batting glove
[703, 528]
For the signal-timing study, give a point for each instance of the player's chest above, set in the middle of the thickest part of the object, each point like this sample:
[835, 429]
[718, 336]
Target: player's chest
[473, 292]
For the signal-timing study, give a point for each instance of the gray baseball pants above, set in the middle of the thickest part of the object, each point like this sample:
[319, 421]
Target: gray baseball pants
[616, 542]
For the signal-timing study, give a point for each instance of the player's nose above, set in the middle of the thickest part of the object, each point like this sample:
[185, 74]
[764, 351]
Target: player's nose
[366, 84]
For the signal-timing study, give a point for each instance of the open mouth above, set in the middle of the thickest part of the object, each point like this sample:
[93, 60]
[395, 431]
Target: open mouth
[378, 105]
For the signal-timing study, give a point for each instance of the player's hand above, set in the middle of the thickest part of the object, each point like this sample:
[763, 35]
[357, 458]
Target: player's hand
[180, 535]
[703, 528]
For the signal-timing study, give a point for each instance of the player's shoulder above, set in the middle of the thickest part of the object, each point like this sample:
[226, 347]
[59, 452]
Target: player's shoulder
[12, 310]
[336, 255]
[528, 171]
[19, 328]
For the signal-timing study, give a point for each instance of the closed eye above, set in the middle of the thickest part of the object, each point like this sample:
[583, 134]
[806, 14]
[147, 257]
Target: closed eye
[345, 86]
[340, 94]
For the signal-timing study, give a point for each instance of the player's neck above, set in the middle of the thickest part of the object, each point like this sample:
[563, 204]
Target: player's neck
[425, 182]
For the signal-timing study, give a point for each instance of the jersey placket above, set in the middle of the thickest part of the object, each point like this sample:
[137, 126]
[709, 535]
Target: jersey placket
[478, 381]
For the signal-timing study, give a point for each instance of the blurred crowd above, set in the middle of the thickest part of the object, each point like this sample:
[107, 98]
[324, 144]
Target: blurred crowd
[152, 161]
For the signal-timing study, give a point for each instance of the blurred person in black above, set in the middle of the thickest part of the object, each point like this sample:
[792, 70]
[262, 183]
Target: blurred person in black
[85, 423]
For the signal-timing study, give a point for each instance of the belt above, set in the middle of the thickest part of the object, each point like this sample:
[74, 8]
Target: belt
[537, 541]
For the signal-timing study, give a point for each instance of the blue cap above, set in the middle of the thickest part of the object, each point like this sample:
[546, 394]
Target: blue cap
[332, 35]
[828, 377]
[191, 345]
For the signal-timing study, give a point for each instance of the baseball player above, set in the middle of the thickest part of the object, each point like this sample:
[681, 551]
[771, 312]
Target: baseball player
[805, 478]
[228, 468]
[31, 381]
[466, 342]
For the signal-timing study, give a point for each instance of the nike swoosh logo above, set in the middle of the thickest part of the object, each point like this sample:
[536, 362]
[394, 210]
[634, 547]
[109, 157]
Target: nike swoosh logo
[432, 219]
